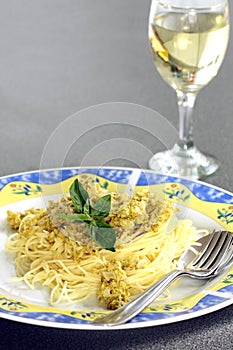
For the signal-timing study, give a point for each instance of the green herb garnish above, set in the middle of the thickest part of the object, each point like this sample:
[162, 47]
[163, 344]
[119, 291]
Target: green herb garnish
[99, 230]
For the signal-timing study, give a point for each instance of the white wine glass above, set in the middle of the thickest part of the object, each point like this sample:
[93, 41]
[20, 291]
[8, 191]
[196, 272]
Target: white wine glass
[189, 39]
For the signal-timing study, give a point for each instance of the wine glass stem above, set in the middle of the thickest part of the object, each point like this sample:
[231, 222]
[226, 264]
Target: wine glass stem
[186, 101]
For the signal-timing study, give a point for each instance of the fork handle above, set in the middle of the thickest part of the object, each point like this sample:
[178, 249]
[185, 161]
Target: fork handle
[134, 307]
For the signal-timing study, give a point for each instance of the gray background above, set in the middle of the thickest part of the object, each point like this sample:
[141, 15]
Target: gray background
[58, 57]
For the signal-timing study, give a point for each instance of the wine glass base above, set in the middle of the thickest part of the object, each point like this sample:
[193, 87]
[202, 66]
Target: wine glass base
[190, 163]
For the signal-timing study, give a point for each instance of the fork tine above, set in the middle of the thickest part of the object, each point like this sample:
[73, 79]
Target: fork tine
[223, 252]
[205, 252]
[215, 252]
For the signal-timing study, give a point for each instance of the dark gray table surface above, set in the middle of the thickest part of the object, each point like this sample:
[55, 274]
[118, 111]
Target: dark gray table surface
[58, 57]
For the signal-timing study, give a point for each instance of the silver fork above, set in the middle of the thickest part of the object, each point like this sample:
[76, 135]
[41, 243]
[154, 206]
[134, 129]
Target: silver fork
[209, 257]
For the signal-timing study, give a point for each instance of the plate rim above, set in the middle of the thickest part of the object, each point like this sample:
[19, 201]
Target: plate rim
[201, 182]
[133, 325]
[139, 324]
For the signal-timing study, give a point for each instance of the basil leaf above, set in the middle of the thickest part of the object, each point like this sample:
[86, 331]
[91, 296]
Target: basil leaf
[87, 207]
[102, 207]
[78, 195]
[75, 217]
[103, 234]
[100, 231]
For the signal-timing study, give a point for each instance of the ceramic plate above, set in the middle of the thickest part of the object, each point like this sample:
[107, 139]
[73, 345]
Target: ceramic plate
[209, 207]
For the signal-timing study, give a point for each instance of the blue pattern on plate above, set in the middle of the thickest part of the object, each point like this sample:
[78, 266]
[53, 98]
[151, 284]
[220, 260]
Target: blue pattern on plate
[54, 176]
[200, 190]
[206, 302]
[45, 316]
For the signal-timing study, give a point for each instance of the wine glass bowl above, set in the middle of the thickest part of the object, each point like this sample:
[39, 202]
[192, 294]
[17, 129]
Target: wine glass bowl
[188, 40]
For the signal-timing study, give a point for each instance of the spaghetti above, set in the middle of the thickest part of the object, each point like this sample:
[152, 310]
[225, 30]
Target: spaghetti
[74, 271]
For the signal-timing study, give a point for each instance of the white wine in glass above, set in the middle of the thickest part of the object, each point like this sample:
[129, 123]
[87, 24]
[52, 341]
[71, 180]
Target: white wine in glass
[189, 39]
